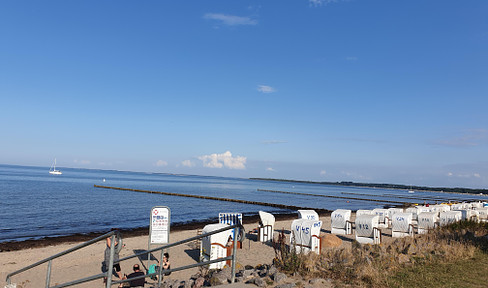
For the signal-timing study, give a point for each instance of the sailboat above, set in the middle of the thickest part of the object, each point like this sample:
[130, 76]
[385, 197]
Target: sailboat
[53, 169]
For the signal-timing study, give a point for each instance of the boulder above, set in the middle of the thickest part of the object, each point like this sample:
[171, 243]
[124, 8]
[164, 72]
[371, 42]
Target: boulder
[219, 279]
[227, 271]
[247, 273]
[330, 241]
[287, 285]
[272, 270]
[199, 282]
[279, 277]
[257, 281]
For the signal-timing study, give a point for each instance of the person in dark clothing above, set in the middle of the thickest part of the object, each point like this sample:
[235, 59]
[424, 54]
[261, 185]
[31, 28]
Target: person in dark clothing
[117, 247]
[166, 263]
[137, 272]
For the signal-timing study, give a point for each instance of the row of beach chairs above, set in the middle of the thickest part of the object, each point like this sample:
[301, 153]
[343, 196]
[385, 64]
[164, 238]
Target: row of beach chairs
[305, 231]
[404, 222]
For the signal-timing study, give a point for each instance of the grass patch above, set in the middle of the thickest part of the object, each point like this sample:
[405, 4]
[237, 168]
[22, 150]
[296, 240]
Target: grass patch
[465, 273]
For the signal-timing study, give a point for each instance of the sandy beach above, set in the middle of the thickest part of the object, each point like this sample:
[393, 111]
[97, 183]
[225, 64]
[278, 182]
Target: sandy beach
[87, 261]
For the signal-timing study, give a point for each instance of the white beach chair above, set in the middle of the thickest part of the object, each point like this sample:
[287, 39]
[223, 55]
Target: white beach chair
[341, 222]
[391, 212]
[382, 217]
[457, 206]
[449, 217]
[483, 214]
[364, 212]
[469, 214]
[308, 214]
[439, 208]
[266, 229]
[414, 212]
[214, 246]
[367, 231]
[426, 222]
[305, 235]
[232, 219]
[401, 225]
[475, 205]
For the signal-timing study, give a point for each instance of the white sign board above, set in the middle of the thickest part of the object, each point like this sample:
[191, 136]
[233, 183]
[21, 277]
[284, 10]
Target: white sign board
[159, 226]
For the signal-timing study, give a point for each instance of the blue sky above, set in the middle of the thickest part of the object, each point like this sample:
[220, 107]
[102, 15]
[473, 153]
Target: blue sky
[358, 90]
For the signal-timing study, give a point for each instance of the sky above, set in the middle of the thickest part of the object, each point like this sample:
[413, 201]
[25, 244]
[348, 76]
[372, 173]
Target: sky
[374, 91]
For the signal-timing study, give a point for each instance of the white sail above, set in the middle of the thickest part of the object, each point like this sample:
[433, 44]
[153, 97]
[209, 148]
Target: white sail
[53, 170]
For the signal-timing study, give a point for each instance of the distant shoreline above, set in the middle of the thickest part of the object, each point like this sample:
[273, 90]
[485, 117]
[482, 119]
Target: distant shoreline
[386, 186]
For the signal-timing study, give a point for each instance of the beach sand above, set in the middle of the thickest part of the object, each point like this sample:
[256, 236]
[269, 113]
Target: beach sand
[87, 261]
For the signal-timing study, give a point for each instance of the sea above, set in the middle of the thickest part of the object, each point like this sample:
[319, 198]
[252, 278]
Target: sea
[35, 204]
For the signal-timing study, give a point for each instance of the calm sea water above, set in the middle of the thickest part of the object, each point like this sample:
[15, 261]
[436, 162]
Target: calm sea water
[36, 204]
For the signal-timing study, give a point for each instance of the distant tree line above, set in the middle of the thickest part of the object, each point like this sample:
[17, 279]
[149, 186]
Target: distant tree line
[386, 186]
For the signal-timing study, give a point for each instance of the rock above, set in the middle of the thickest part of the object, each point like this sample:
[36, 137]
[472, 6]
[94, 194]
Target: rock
[272, 270]
[263, 273]
[287, 285]
[330, 241]
[247, 274]
[279, 277]
[199, 282]
[257, 281]
[260, 282]
[227, 272]
[219, 278]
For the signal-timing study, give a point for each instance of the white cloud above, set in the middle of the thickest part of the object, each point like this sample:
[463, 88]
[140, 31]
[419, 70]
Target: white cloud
[188, 163]
[266, 89]
[468, 138]
[161, 163]
[230, 20]
[274, 142]
[270, 169]
[324, 2]
[323, 172]
[223, 160]
[319, 2]
[83, 162]
[464, 175]
[354, 176]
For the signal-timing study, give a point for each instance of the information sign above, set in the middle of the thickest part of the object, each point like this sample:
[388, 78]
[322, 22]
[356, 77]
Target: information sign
[159, 226]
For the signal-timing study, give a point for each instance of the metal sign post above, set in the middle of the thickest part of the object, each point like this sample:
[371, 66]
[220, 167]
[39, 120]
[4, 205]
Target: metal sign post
[159, 228]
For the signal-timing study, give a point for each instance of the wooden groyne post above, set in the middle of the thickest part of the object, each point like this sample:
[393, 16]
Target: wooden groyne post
[337, 197]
